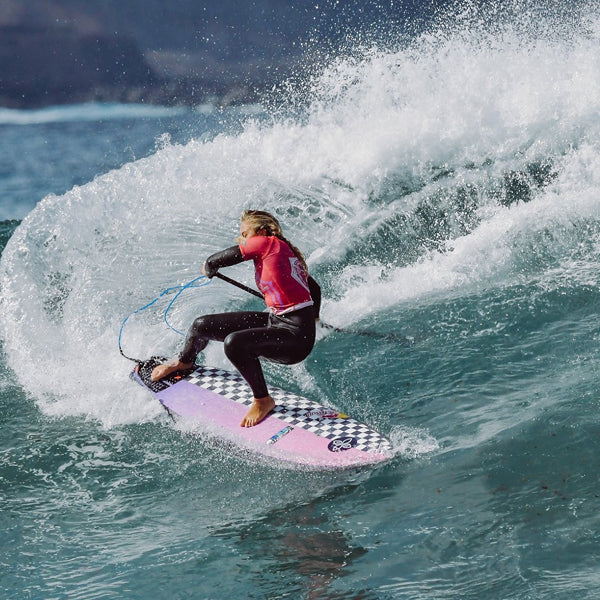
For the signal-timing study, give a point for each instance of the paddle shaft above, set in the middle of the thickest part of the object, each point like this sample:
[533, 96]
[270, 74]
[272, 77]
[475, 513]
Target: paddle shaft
[372, 334]
[239, 285]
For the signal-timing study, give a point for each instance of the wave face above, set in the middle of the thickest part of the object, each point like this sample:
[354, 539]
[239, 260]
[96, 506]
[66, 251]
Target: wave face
[458, 164]
[444, 189]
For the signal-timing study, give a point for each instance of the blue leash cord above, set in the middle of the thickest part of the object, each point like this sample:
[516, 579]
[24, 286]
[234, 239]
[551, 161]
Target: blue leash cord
[180, 289]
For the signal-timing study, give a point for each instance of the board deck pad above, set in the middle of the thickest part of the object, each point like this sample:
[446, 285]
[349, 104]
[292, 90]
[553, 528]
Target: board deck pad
[298, 430]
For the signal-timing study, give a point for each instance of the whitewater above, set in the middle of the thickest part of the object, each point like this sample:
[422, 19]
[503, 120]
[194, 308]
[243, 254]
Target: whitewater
[445, 190]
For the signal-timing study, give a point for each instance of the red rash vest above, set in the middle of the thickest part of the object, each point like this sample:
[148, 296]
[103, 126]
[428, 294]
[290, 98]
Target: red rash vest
[279, 273]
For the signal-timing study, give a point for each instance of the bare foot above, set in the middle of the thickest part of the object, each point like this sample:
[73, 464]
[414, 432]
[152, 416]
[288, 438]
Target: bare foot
[258, 411]
[161, 371]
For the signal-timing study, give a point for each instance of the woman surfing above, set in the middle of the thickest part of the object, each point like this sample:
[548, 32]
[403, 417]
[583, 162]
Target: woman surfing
[285, 334]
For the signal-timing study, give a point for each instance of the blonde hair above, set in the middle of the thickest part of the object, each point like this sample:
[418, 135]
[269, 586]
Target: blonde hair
[260, 219]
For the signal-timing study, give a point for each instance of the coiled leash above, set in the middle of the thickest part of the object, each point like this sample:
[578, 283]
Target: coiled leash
[179, 289]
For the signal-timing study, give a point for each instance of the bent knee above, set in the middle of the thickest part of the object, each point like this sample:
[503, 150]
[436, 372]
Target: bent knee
[200, 325]
[233, 346]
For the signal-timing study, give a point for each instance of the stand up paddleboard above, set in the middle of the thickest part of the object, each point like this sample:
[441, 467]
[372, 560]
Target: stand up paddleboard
[298, 430]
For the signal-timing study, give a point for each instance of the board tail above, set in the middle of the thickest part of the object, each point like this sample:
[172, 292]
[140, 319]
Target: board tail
[141, 374]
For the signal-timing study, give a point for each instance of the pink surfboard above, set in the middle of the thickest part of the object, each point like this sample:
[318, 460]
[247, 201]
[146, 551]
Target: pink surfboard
[298, 431]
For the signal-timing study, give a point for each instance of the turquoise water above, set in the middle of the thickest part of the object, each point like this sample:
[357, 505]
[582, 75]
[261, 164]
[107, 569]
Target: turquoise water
[446, 192]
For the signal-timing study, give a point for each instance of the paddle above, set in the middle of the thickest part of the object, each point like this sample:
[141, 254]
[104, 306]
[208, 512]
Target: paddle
[372, 334]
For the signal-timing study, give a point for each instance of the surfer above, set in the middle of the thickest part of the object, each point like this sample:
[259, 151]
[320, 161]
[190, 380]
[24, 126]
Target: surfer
[285, 334]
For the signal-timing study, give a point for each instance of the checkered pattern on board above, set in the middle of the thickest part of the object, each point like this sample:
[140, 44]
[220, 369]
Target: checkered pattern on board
[222, 382]
[291, 408]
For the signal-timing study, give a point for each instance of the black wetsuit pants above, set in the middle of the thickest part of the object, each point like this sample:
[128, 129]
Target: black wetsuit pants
[286, 339]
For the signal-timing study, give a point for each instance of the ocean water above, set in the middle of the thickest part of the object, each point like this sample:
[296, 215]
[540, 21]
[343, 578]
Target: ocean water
[445, 190]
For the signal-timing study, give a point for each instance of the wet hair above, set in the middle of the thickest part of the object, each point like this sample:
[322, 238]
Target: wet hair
[262, 220]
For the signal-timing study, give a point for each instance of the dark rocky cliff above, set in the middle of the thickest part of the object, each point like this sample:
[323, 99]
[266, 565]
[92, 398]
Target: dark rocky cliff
[187, 51]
